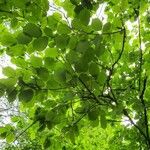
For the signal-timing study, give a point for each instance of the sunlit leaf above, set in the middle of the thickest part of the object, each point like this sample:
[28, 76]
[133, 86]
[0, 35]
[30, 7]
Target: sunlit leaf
[10, 137]
[9, 72]
[51, 52]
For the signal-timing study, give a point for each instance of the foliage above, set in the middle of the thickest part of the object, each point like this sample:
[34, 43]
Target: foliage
[77, 75]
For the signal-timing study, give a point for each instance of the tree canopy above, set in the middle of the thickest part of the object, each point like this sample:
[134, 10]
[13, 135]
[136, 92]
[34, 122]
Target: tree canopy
[81, 79]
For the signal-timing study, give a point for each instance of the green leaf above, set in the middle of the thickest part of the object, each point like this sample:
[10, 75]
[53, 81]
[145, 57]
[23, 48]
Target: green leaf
[7, 39]
[2, 1]
[49, 125]
[72, 57]
[69, 7]
[2, 130]
[96, 24]
[14, 23]
[50, 115]
[63, 29]
[93, 114]
[48, 32]
[82, 65]
[147, 93]
[84, 16]
[102, 77]
[61, 41]
[40, 43]
[82, 46]
[27, 75]
[20, 62]
[107, 27]
[10, 137]
[76, 24]
[23, 38]
[26, 95]
[32, 30]
[36, 61]
[43, 73]
[52, 22]
[51, 52]
[9, 72]
[103, 120]
[40, 83]
[8, 83]
[52, 84]
[49, 62]
[72, 42]
[47, 143]
[80, 110]
[94, 69]
[12, 95]
[19, 4]
[60, 75]
[84, 77]
[99, 49]
[17, 50]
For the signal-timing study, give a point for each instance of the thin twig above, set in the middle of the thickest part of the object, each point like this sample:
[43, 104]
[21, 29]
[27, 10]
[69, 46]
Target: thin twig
[111, 70]
[25, 130]
[103, 33]
[92, 94]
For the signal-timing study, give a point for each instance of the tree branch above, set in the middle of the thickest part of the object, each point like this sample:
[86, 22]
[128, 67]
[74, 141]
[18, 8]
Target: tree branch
[92, 94]
[122, 49]
[103, 33]
[135, 125]
[144, 108]
[111, 70]
[25, 130]
[5, 11]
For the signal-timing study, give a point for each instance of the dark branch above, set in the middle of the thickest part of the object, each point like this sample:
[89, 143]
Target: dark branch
[111, 70]
[145, 108]
[103, 33]
[90, 92]
[82, 116]
[5, 11]
[25, 130]
[122, 49]
[114, 32]
[135, 125]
